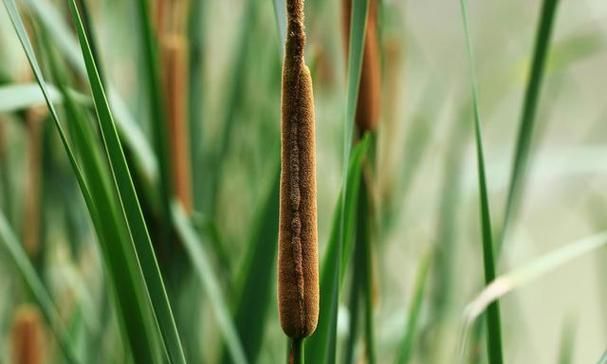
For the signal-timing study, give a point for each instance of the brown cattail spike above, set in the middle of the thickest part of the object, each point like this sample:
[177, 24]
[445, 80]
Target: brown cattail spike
[298, 289]
[369, 95]
[175, 58]
[27, 337]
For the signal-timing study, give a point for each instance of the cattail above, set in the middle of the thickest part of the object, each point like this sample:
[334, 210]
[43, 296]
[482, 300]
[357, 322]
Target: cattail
[175, 63]
[31, 211]
[170, 24]
[298, 289]
[27, 336]
[369, 94]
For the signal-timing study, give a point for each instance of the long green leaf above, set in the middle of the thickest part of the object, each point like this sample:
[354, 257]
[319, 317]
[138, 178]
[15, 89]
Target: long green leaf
[234, 92]
[257, 275]
[494, 337]
[408, 338]
[529, 272]
[280, 16]
[34, 283]
[130, 204]
[567, 342]
[318, 346]
[210, 283]
[528, 119]
[157, 112]
[121, 261]
[326, 350]
[17, 97]
[54, 23]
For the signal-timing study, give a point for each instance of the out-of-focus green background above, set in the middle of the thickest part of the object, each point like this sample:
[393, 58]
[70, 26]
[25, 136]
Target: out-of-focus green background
[427, 174]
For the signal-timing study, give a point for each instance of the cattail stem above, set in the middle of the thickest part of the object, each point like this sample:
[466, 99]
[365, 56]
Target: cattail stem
[296, 352]
[298, 287]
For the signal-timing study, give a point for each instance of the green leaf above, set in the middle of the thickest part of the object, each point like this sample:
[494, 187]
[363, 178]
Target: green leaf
[280, 16]
[35, 285]
[408, 338]
[529, 272]
[54, 24]
[130, 204]
[17, 97]
[118, 251]
[157, 112]
[318, 346]
[202, 264]
[322, 346]
[567, 342]
[257, 277]
[494, 337]
[528, 119]
[233, 98]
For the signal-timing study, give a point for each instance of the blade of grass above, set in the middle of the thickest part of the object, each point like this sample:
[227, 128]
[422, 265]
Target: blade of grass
[527, 273]
[364, 253]
[234, 91]
[197, 253]
[17, 97]
[408, 339]
[157, 112]
[603, 359]
[318, 346]
[130, 204]
[567, 342]
[281, 22]
[494, 339]
[322, 345]
[528, 119]
[35, 285]
[122, 262]
[197, 29]
[256, 278]
[53, 23]
[522, 276]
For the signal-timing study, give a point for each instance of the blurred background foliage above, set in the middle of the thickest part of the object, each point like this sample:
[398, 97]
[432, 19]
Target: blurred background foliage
[426, 184]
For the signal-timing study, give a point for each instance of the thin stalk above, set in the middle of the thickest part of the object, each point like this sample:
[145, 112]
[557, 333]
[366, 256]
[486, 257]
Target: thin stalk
[354, 303]
[494, 338]
[363, 239]
[296, 352]
[528, 119]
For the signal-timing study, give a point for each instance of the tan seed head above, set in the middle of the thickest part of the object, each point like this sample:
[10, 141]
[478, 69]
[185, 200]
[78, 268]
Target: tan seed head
[298, 288]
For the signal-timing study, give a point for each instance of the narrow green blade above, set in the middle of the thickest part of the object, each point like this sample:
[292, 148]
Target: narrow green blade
[34, 283]
[17, 97]
[122, 265]
[157, 112]
[319, 348]
[494, 337]
[210, 283]
[130, 203]
[528, 119]
[408, 339]
[533, 270]
[257, 276]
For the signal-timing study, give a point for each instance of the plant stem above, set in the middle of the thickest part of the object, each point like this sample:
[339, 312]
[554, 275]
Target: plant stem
[296, 353]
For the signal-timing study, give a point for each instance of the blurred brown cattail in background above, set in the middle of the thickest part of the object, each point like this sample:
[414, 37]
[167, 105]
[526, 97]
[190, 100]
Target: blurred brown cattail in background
[34, 119]
[171, 16]
[369, 96]
[298, 286]
[27, 336]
